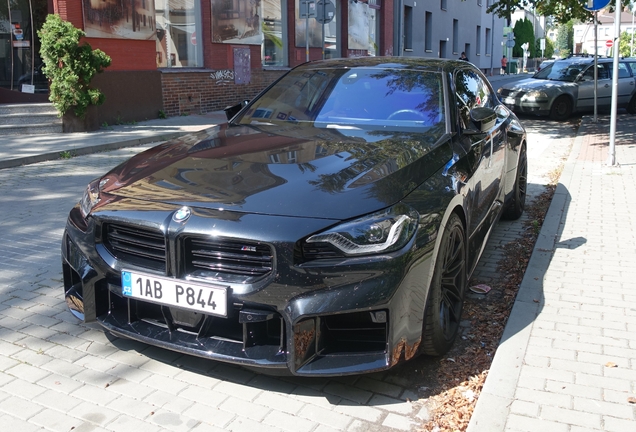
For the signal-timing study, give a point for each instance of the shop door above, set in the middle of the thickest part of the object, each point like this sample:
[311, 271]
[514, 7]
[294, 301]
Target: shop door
[20, 64]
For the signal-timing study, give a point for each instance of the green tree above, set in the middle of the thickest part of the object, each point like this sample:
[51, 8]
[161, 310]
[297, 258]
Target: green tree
[70, 66]
[549, 48]
[562, 10]
[524, 32]
[565, 39]
[626, 44]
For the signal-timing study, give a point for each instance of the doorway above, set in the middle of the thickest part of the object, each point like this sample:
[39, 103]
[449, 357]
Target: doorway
[20, 63]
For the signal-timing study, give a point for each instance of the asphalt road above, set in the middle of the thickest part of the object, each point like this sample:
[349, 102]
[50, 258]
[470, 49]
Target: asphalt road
[58, 375]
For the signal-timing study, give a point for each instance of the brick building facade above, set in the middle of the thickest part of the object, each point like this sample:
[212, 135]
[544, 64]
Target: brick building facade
[187, 67]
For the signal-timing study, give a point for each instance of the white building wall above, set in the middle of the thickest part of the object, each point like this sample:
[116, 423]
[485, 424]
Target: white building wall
[584, 33]
[469, 15]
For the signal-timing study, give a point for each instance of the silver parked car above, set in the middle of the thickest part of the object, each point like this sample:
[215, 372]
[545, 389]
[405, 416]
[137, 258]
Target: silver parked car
[567, 86]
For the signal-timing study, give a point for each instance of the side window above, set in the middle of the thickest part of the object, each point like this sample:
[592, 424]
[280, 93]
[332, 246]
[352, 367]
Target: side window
[632, 66]
[623, 72]
[603, 73]
[470, 92]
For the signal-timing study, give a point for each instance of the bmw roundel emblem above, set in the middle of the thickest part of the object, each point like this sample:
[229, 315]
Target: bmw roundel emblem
[181, 215]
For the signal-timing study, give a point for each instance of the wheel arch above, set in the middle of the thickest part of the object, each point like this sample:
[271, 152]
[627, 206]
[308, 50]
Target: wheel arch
[456, 206]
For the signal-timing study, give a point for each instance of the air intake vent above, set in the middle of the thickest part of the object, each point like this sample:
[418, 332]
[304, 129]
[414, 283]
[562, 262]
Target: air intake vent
[138, 246]
[314, 251]
[233, 257]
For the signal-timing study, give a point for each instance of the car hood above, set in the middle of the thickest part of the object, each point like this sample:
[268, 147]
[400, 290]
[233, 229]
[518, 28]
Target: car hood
[538, 84]
[290, 170]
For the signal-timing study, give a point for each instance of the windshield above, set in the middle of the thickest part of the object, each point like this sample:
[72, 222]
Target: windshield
[561, 71]
[393, 99]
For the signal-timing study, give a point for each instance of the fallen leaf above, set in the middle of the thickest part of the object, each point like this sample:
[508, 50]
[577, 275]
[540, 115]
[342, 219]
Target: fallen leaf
[611, 365]
[631, 400]
[535, 300]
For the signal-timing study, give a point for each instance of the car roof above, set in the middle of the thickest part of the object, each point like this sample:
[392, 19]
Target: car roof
[590, 59]
[417, 63]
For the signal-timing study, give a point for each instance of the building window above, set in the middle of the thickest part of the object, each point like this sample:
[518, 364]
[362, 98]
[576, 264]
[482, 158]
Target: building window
[273, 39]
[488, 41]
[250, 22]
[443, 5]
[363, 26]
[177, 29]
[455, 36]
[408, 28]
[428, 32]
[478, 41]
[315, 29]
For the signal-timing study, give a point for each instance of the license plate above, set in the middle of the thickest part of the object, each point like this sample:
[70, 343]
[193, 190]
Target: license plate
[174, 292]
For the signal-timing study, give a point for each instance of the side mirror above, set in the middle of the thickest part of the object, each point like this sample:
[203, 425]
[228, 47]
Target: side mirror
[483, 119]
[232, 110]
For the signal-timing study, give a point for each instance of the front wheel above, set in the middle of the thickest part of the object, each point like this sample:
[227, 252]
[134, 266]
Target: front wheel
[517, 203]
[446, 294]
[561, 108]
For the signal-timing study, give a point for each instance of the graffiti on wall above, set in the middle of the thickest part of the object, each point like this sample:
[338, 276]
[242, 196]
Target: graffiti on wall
[224, 76]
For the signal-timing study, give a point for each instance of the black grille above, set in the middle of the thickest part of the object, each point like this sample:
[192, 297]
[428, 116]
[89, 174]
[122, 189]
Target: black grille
[512, 93]
[229, 257]
[139, 246]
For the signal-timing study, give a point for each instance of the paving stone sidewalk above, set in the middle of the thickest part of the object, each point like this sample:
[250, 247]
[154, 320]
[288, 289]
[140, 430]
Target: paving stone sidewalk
[567, 360]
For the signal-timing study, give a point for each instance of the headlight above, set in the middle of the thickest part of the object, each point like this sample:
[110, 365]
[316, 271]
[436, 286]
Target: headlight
[535, 95]
[379, 232]
[91, 196]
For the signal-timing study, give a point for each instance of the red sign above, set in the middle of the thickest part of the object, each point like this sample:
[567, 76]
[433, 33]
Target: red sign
[609, 43]
[193, 38]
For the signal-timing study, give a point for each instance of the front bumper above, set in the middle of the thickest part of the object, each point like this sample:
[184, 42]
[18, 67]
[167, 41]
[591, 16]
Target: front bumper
[523, 106]
[328, 317]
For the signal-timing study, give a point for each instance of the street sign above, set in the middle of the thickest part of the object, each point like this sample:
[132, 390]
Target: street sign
[594, 5]
[325, 11]
[307, 9]
[510, 43]
[609, 43]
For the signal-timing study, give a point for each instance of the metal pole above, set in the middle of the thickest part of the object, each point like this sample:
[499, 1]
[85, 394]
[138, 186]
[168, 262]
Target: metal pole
[11, 41]
[32, 43]
[323, 40]
[611, 159]
[307, 35]
[632, 50]
[595, 66]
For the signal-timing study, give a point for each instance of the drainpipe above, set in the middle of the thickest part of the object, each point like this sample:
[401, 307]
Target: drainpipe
[399, 31]
[492, 44]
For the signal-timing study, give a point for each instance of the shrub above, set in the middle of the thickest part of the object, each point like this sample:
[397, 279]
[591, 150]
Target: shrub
[69, 66]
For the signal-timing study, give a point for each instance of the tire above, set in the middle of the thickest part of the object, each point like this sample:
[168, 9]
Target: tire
[517, 203]
[561, 108]
[631, 108]
[443, 311]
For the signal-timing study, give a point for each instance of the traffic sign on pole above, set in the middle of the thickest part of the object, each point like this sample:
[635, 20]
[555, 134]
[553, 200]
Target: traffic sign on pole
[609, 43]
[594, 5]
